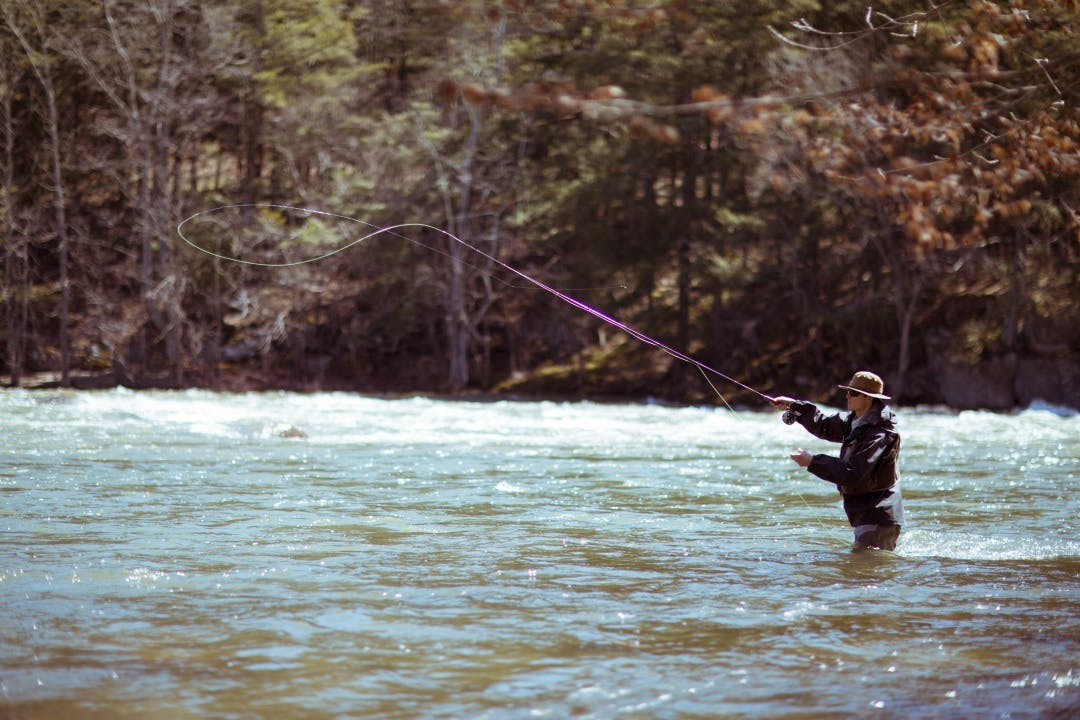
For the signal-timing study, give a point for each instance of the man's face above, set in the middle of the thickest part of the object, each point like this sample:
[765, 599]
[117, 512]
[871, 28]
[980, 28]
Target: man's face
[858, 403]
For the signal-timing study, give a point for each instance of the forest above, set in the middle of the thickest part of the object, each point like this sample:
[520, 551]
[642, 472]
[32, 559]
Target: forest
[785, 190]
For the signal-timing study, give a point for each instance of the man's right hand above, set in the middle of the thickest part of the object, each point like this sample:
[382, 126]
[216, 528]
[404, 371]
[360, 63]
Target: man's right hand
[781, 402]
[802, 458]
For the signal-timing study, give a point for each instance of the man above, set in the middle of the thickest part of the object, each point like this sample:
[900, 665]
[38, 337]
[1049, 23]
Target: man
[866, 471]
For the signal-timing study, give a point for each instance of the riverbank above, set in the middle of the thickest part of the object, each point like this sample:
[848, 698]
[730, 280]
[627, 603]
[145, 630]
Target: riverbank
[1000, 384]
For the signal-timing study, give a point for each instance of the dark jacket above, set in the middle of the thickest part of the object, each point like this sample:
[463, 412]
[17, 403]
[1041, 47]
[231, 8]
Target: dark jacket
[866, 471]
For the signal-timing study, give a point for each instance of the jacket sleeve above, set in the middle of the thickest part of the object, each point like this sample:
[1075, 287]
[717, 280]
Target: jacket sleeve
[833, 428]
[858, 472]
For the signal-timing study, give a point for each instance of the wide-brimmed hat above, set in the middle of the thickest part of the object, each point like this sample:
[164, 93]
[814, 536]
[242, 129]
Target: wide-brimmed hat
[866, 383]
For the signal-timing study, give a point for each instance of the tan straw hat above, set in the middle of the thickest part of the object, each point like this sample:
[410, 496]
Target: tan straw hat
[866, 383]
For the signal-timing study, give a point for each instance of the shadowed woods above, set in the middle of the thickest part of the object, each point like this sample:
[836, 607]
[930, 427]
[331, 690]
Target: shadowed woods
[782, 192]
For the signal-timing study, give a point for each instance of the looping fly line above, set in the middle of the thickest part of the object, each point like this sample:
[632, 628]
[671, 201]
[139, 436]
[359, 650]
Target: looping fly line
[393, 230]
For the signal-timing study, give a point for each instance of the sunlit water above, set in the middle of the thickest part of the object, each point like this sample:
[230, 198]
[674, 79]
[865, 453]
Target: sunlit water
[172, 555]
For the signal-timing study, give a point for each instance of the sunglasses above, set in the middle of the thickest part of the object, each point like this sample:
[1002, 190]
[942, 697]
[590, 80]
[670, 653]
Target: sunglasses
[853, 393]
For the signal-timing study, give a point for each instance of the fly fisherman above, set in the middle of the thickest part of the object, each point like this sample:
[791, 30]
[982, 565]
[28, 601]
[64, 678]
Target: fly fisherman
[866, 471]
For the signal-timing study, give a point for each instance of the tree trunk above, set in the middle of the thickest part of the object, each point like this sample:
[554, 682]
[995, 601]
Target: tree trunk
[253, 112]
[1010, 333]
[60, 210]
[16, 275]
[684, 293]
[164, 191]
[457, 320]
[905, 312]
[457, 324]
[907, 284]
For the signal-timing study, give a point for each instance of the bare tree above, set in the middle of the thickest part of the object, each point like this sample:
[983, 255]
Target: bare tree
[463, 317]
[135, 62]
[25, 19]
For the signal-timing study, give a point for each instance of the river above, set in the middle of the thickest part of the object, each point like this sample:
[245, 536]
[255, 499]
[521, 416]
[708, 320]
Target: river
[198, 555]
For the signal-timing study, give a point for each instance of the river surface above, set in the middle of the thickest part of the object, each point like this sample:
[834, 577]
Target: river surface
[180, 555]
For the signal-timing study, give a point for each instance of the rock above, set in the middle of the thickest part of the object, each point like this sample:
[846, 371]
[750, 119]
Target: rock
[292, 432]
[987, 385]
[1052, 380]
[1007, 382]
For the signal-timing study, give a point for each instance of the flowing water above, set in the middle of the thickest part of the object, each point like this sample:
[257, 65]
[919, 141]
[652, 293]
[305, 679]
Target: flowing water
[181, 555]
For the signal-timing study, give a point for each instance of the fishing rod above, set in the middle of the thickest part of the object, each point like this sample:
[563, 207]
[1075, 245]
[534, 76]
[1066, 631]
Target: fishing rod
[392, 230]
